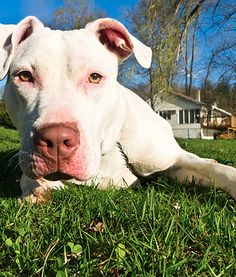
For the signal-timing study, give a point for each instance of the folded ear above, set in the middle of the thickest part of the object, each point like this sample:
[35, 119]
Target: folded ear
[117, 39]
[5, 32]
[11, 36]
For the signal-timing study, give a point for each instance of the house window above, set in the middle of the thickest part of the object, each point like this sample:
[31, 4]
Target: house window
[186, 117]
[167, 114]
[197, 116]
[189, 116]
[192, 113]
[181, 117]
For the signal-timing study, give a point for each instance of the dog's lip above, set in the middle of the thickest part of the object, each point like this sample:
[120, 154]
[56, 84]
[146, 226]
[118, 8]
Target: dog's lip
[55, 176]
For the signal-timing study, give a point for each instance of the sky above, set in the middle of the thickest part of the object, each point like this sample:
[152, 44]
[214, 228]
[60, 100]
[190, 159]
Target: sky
[12, 11]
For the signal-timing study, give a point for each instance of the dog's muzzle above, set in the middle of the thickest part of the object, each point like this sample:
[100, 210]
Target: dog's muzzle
[57, 144]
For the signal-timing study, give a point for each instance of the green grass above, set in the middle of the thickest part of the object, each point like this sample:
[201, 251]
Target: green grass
[9, 171]
[224, 151]
[162, 229]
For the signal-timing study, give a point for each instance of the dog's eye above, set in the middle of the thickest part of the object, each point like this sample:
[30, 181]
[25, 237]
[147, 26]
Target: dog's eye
[25, 76]
[95, 78]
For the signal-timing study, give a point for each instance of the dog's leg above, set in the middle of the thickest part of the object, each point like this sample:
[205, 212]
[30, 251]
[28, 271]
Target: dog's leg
[37, 191]
[148, 142]
[205, 172]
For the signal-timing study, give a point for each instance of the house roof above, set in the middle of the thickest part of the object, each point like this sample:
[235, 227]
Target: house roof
[221, 110]
[192, 100]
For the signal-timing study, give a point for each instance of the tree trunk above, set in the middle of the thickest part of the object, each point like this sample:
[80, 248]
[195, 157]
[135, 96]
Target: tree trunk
[192, 59]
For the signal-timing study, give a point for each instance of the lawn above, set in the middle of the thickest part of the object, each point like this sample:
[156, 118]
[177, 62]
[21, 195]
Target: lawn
[160, 229]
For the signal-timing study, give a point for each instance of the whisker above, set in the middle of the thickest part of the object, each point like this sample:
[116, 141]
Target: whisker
[13, 159]
[9, 153]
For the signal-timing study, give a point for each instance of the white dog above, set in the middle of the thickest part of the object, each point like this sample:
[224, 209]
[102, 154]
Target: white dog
[77, 122]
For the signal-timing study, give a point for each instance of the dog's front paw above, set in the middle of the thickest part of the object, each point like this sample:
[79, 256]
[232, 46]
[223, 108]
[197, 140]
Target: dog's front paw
[37, 196]
[37, 191]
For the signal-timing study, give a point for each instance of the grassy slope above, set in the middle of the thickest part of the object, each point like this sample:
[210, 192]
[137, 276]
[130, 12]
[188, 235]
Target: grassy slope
[163, 229]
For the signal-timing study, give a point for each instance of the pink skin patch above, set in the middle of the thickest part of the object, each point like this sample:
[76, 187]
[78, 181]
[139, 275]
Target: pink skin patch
[116, 37]
[76, 168]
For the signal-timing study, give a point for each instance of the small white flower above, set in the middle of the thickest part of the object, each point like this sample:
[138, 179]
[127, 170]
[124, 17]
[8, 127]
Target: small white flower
[177, 206]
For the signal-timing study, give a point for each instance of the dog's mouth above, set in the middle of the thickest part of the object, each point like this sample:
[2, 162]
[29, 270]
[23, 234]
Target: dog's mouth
[51, 171]
[81, 165]
[58, 176]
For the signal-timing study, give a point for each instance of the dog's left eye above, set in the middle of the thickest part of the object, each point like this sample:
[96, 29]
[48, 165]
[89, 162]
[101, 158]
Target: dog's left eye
[95, 78]
[25, 76]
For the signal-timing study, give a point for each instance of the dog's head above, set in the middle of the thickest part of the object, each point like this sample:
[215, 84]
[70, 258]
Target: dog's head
[62, 94]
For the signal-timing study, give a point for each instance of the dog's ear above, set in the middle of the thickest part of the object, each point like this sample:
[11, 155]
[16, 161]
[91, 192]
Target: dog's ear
[117, 39]
[11, 36]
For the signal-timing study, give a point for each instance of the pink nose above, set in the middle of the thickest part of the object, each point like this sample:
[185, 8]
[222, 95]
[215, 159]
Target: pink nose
[57, 141]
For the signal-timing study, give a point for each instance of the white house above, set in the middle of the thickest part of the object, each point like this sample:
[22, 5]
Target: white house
[191, 118]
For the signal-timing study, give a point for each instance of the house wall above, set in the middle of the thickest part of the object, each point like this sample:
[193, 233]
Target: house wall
[208, 133]
[187, 132]
[233, 121]
[177, 104]
[190, 118]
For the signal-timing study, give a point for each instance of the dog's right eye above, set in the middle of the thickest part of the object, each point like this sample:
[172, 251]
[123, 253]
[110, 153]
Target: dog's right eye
[95, 78]
[25, 76]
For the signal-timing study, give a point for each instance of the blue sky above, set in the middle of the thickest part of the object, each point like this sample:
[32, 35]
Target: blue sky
[12, 11]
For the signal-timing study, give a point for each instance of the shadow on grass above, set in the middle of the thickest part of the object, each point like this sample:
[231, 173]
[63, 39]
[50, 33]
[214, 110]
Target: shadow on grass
[10, 174]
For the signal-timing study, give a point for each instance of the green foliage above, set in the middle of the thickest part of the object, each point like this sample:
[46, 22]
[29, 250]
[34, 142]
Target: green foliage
[5, 119]
[9, 139]
[163, 229]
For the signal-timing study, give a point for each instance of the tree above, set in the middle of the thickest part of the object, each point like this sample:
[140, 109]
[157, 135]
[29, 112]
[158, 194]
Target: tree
[164, 26]
[75, 14]
[189, 57]
[220, 37]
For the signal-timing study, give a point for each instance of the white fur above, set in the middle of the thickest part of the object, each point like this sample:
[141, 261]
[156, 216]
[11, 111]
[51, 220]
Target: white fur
[117, 129]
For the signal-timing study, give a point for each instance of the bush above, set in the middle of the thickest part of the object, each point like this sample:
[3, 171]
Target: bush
[5, 119]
